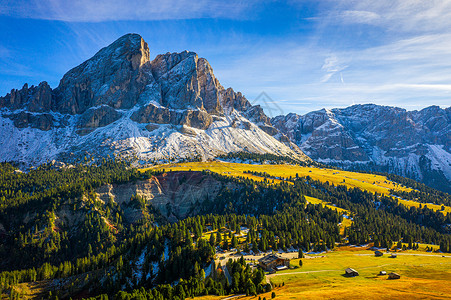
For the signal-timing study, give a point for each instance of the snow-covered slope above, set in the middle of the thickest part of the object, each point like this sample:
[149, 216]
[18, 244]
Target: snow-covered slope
[121, 103]
[416, 144]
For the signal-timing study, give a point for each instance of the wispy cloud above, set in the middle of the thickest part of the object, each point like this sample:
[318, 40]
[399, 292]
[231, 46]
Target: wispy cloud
[4, 52]
[113, 10]
[359, 16]
[400, 15]
[412, 72]
[331, 66]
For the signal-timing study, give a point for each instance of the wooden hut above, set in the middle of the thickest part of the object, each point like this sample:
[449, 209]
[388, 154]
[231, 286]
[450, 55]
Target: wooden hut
[394, 275]
[351, 272]
[273, 262]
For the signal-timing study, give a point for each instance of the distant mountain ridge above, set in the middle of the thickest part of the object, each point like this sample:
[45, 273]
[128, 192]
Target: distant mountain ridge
[415, 144]
[119, 102]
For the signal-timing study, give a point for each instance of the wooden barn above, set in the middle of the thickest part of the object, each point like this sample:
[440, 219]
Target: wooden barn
[351, 272]
[273, 262]
[378, 253]
[394, 275]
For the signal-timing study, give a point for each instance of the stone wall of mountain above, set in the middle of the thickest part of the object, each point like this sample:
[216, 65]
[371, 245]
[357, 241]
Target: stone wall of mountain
[119, 102]
[416, 144]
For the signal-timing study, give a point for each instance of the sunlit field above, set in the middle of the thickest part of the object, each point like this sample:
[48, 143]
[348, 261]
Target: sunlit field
[423, 275]
[369, 182]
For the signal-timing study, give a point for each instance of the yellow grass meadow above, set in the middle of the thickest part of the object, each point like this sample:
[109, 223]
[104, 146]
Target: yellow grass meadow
[369, 182]
[424, 275]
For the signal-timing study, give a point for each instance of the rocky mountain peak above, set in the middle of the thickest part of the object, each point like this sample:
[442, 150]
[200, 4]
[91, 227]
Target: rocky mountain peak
[119, 102]
[115, 76]
[187, 82]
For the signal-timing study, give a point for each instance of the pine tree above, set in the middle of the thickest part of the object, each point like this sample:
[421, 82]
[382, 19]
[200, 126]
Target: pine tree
[212, 240]
[300, 253]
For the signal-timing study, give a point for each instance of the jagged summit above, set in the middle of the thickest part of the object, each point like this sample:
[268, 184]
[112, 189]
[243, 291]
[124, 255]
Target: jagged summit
[119, 102]
[114, 76]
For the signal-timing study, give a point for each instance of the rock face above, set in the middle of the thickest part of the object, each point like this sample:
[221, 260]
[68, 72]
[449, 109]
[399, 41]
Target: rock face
[163, 115]
[115, 76]
[119, 102]
[410, 143]
[24, 119]
[187, 82]
[34, 99]
[175, 194]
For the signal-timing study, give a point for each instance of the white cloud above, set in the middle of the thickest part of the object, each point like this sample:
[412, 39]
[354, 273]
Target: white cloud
[112, 10]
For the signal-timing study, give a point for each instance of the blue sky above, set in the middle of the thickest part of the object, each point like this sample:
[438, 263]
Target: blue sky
[305, 55]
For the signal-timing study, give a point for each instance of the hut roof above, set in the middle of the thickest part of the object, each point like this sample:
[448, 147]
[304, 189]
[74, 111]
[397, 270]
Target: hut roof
[394, 275]
[268, 259]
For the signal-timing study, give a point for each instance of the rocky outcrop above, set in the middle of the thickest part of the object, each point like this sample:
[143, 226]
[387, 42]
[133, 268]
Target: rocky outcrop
[97, 117]
[269, 129]
[162, 115]
[197, 119]
[42, 99]
[257, 115]
[154, 114]
[231, 100]
[16, 99]
[174, 194]
[40, 121]
[187, 82]
[34, 99]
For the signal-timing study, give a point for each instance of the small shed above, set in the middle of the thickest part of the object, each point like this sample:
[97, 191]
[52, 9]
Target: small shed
[351, 272]
[394, 275]
[378, 253]
[382, 273]
[393, 255]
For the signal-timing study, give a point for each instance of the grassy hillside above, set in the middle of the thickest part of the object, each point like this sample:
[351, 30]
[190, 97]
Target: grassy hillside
[368, 182]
